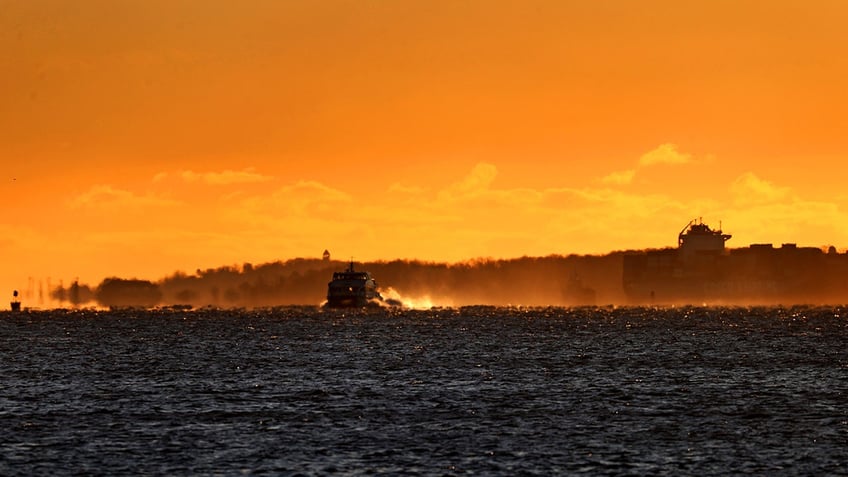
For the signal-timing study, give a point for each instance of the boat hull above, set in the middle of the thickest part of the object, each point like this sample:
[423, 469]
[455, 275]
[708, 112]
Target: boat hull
[351, 302]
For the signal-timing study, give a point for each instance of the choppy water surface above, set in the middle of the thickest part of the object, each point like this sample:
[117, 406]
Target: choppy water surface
[486, 391]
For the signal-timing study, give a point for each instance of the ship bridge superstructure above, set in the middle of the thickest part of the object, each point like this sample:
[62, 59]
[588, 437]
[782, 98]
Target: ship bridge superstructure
[702, 271]
[698, 237]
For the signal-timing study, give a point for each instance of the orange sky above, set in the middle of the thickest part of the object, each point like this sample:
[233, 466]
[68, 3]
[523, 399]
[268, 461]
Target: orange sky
[142, 137]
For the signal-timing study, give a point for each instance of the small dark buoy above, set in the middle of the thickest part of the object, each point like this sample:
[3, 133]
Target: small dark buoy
[16, 304]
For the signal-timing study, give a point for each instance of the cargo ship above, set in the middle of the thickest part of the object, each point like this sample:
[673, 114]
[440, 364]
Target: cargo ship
[702, 270]
[352, 289]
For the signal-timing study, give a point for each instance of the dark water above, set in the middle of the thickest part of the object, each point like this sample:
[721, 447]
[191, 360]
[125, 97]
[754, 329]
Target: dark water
[486, 391]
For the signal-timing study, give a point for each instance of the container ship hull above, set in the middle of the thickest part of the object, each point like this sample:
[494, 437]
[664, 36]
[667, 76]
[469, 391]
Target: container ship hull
[702, 271]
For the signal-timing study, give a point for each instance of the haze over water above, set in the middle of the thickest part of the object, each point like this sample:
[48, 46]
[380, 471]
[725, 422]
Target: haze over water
[482, 390]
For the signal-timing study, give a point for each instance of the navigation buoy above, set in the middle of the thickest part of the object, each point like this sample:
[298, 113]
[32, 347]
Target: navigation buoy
[16, 304]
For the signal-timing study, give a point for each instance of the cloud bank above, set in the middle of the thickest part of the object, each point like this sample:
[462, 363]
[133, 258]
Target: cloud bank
[226, 177]
[665, 154]
[147, 232]
[109, 197]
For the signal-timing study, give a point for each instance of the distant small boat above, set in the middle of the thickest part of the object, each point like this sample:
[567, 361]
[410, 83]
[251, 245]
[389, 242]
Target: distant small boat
[352, 289]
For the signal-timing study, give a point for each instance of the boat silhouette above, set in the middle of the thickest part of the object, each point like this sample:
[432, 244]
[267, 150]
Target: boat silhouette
[352, 289]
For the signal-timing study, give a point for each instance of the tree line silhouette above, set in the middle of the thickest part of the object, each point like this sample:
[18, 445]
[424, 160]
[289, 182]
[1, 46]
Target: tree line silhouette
[754, 275]
[551, 280]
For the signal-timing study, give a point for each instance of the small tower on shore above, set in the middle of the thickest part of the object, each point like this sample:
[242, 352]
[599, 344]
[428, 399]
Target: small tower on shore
[326, 255]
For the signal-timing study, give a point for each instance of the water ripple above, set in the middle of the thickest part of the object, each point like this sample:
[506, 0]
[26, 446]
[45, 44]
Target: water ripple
[483, 390]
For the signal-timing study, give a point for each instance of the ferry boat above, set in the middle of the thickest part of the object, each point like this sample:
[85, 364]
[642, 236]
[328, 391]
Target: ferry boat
[352, 289]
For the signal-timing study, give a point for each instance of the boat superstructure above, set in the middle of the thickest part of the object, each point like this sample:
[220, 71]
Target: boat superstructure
[698, 237]
[352, 288]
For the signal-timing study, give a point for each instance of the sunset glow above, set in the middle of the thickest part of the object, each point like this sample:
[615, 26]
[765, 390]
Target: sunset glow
[142, 138]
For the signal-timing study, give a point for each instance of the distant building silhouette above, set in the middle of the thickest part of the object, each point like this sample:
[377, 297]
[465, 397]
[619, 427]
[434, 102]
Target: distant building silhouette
[326, 255]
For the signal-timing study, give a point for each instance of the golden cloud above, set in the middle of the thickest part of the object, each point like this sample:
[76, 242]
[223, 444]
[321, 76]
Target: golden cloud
[108, 197]
[226, 177]
[303, 199]
[473, 218]
[795, 221]
[619, 178]
[750, 189]
[403, 189]
[665, 154]
[477, 181]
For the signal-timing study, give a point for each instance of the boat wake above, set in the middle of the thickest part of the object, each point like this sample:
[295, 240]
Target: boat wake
[392, 297]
